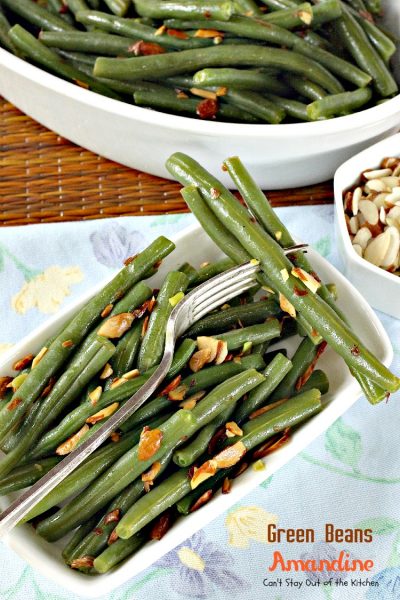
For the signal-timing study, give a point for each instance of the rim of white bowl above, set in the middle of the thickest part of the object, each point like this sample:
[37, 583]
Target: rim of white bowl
[337, 125]
[351, 254]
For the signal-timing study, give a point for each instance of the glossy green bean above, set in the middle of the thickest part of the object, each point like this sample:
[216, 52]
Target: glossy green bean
[292, 18]
[378, 38]
[181, 357]
[338, 104]
[254, 334]
[187, 9]
[37, 15]
[165, 65]
[260, 106]
[293, 108]
[240, 79]
[58, 8]
[152, 347]
[318, 380]
[115, 553]
[5, 39]
[88, 41]
[211, 270]
[326, 11]
[79, 534]
[76, 5]
[118, 7]
[307, 89]
[127, 351]
[78, 328]
[247, 7]
[190, 272]
[274, 373]
[279, 4]
[246, 314]
[319, 314]
[26, 475]
[356, 41]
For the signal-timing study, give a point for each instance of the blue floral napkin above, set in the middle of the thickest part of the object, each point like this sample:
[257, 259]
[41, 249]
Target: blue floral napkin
[350, 476]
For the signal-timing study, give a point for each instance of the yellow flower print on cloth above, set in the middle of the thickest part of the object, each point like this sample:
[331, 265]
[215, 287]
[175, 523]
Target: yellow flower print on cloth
[46, 291]
[248, 523]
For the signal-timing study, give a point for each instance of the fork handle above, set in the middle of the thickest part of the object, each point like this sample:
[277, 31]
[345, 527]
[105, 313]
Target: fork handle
[24, 503]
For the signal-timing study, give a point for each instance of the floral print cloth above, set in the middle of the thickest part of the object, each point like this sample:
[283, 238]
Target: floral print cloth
[350, 476]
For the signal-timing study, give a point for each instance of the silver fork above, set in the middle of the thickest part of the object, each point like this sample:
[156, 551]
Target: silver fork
[202, 300]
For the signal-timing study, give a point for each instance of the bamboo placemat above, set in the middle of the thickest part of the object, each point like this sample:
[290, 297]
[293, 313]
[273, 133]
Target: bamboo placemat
[44, 178]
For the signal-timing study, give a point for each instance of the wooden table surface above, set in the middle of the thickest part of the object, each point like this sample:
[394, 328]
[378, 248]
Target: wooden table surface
[45, 178]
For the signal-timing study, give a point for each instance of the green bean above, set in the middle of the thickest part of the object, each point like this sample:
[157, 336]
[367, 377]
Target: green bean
[166, 65]
[378, 38]
[317, 312]
[275, 372]
[279, 4]
[37, 15]
[5, 39]
[96, 464]
[374, 6]
[78, 328]
[256, 104]
[129, 467]
[246, 314]
[186, 456]
[356, 42]
[88, 41]
[40, 54]
[81, 370]
[189, 9]
[292, 18]
[26, 475]
[57, 8]
[254, 334]
[133, 29]
[307, 89]
[185, 504]
[76, 5]
[152, 347]
[271, 33]
[181, 357]
[127, 351]
[325, 11]
[83, 62]
[178, 485]
[213, 269]
[302, 359]
[318, 380]
[240, 79]
[79, 534]
[118, 7]
[293, 108]
[190, 272]
[168, 100]
[338, 104]
[115, 553]
[96, 539]
[247, 7]
[94, 4]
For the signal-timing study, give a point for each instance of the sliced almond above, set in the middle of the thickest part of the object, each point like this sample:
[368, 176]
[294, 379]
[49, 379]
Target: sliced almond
[149, 443]
[287, 306]
[376, 250]
[362, 237]
[199, 359]
[392, 253]
[222, 352]
[394, 196]
[284, 274]
[191, 402]
[380, 199]
[117, 382]
[357, 194]
[39, 357]
[377, 173]
[208, 33]
[358, 249]
[103, 413]
[24, 362]
[207, 470]
[391, 182]
[116, 326]
[131, 374]
[230, 455]
[71, 443]
[85, 562]
[95, 395]
[149, 477]
[178, 394]
[382, 215]
[309, 280]
[106, 372]
[354, 225]
[232, 429]
[376, 185]
[369, 211]
[210, 343]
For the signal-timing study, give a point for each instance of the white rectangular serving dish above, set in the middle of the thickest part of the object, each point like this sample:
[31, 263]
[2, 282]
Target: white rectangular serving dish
[343, 393]
[380, 288]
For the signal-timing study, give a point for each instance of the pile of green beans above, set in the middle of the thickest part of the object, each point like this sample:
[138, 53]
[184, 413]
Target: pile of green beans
[251, 61]
[243, 406]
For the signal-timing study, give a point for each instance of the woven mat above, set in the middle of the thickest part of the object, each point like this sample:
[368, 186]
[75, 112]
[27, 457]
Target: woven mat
[44, 178]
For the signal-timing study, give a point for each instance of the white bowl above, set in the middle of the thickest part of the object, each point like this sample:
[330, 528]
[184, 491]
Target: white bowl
[343, 393]
[279, 156]
[380, 288]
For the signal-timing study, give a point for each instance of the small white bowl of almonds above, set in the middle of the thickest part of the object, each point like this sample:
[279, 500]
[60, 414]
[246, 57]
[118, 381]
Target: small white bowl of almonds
[367, 201]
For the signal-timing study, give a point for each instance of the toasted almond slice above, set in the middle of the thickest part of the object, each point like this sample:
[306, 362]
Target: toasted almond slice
[377, 173]
[117, 382]
[103, 413]
[95, 395]
[149, 443]
[106, 372]
[389, 162]
[376, 250]
[4, 383]
[305, 16]
[208, 33]
[116, 326]
[287, 306]
[391, 182]
[199, 359]
[161, 30]
[39, 357]
[191, 402]
[358, 249]
[86, 562]
[357, 194]
[232, 429]
[376, 185]
[71, 443]
[226, 486]
[203, 93]
[178, 394]
[309, 280]
[370, 212]
[394, 196]
[131, 374]
[390, 258]
[230, 455]
[210, 343]
[222, 352]
[362, 237]
[204, 498]
[151, 474]
[171, 386]
[22, 363]
[207, 470]
[284, 274]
